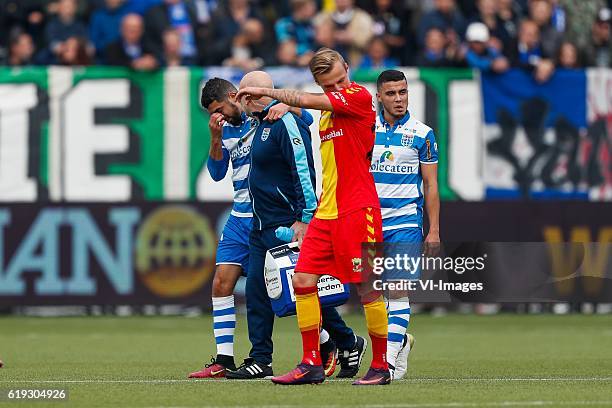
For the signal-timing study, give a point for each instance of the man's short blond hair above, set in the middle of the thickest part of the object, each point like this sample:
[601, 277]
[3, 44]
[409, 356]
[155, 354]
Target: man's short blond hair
[323, 61]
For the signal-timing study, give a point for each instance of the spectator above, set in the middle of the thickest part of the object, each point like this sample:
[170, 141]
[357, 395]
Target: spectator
[296, 34]
[75, 52]
[540, 12]
[580, 17]
[487, 14]
[558, 18]
[480, 54]
[528, 52]
[36, 21]
[468, 8]
[205, 10]
[105, 23]
[324, 34]
[377, 56]
[275, 9]
[228, 23]
[64, 26]
[598, 53]
[26, 14]
[82, 7]
[130, 50]
[568, 56]
[11, 16]
[391, 21]
[20, 49]
[249, 48]
[172, 49]
[508, 13]
[436, 52]
[180, 15]
[352, 29]
[445, 17]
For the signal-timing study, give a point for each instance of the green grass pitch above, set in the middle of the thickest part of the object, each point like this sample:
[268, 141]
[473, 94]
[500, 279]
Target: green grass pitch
[458, 361]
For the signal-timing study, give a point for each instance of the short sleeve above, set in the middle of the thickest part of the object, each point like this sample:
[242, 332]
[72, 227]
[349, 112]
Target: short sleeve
[428, 153]
[354, 101]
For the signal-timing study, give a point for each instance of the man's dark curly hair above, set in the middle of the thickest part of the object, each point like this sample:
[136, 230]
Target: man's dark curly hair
[216, 89]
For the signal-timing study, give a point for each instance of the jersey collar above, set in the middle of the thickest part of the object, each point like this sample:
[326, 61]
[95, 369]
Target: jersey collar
[400, 122]
[261, 115]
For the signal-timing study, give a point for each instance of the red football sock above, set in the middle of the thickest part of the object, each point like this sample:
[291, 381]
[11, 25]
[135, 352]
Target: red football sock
[309, 321]
[379, 352]
[377, 321]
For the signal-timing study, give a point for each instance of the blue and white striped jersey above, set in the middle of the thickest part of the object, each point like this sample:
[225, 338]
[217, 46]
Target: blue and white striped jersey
[236, 145]
[399, 151]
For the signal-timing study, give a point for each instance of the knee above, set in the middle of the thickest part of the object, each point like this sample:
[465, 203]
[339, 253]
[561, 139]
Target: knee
[304, 280]
[222, 286]
[367, 293]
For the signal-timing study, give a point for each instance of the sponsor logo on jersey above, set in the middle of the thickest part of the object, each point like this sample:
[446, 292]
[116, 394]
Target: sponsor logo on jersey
[240, 151]
[379, 167]
[339, 96]
[331, 135]
[386, 156]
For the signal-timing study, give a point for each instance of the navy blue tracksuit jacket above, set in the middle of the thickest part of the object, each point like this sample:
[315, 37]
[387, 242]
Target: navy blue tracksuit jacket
[282, 178]
[282, 189]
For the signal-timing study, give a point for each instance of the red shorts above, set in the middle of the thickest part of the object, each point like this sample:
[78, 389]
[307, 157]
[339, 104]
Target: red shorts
[334, 247]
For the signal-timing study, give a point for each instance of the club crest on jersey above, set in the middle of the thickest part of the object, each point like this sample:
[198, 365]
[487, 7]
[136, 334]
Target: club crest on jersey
[407, 140]
[265, 134]
[386, 156]
[357, 265]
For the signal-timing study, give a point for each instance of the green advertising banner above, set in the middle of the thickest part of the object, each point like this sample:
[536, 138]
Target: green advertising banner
[104, 134]
[100, 134]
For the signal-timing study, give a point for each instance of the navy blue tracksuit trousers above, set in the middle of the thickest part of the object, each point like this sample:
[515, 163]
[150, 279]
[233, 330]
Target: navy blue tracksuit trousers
[260, 316]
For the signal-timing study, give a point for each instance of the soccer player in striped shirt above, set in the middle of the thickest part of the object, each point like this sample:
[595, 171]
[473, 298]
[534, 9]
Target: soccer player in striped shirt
[405, 156]
[231, 137]
[348, 214]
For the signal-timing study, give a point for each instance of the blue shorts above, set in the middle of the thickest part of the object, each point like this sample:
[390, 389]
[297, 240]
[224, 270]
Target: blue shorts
[233, 248]
[403, 235]
[403, 241]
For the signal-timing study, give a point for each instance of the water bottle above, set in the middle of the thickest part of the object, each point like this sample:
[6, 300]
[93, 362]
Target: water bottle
[284, 234]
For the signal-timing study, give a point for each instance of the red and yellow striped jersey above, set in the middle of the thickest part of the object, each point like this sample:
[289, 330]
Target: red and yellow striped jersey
[347, 140]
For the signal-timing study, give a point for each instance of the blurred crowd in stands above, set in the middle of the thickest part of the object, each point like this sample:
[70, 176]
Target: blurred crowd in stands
[492, 35]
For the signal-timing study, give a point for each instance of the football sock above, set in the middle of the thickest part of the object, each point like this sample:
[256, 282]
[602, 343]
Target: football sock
[224, 324]
[309, 321]
[377, 322]
[399, 318]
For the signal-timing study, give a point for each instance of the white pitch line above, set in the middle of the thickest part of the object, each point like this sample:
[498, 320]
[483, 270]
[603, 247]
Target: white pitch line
[425, 405]
[406, 380]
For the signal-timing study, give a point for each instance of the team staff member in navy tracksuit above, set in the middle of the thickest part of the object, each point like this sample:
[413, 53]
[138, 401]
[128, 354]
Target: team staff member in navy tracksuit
[281, 186]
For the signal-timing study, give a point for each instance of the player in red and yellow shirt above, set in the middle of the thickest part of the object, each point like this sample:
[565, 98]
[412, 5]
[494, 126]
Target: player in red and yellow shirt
[348, 213]
[346, 144]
